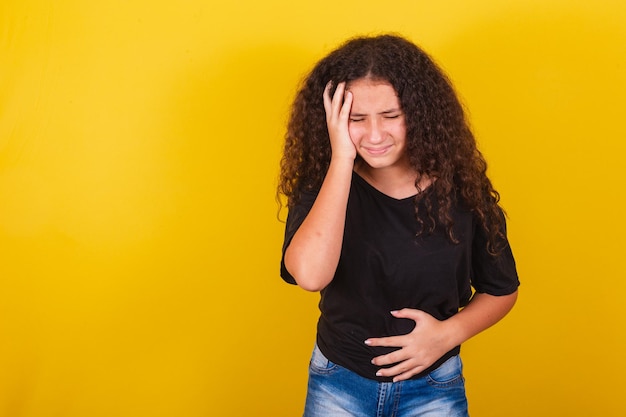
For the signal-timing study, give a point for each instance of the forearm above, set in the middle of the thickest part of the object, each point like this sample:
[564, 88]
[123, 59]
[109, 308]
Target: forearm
[313, 254]
[482, 312]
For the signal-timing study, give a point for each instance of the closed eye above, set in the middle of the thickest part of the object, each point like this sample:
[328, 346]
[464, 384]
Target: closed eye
[392, 113]
[357, 119]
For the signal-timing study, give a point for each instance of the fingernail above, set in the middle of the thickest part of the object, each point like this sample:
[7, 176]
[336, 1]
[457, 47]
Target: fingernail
[368, 342]
[394, 312]
[379, 373]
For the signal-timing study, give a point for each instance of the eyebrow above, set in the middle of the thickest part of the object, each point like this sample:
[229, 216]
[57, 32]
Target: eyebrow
[382, 112]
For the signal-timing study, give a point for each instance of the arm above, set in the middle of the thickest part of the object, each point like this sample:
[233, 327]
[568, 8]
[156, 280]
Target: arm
[431, 338]
[313, 254]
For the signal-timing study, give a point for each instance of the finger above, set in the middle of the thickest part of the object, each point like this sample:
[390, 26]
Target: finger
[391, 358]
[408, 313]
[401, 371]
[392, 341]
[338, 97]
[408, 374]
[344, 113]
[327, 99]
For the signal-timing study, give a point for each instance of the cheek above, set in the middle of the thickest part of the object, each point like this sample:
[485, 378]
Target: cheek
[355, 132]
[400, 132]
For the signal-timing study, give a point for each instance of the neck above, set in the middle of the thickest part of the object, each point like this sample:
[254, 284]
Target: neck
[397, 181]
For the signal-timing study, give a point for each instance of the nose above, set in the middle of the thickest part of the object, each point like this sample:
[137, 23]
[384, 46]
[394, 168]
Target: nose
[375, 133]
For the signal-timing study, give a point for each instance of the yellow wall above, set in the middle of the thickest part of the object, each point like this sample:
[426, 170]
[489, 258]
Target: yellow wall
[139, 246]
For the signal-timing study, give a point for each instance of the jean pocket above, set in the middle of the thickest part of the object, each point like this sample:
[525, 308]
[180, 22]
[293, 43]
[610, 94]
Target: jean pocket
[319, 363]
[448, 374]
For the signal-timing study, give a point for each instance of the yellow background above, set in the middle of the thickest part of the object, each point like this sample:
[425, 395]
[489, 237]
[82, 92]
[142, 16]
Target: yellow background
[139, 244]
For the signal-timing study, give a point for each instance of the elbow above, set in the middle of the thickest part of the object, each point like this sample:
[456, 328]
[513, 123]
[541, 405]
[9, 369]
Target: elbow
[308, 274]
[514, 297]
[508, 301]
[308, 278]
[311, 285]
[309, 281]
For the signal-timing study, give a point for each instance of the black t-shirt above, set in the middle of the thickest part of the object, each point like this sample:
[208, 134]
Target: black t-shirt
[383, 267]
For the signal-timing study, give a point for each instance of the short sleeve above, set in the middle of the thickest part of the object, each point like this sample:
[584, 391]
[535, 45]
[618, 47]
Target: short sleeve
[494, 275]
[295, 217]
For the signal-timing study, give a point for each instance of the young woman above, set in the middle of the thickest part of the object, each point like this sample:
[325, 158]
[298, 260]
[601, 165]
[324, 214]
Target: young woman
[393, 219]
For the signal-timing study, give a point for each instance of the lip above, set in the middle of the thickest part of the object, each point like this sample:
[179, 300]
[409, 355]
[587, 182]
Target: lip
[377, 151]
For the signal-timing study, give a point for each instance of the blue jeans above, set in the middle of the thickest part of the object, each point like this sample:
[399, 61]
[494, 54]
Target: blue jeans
[334, 391]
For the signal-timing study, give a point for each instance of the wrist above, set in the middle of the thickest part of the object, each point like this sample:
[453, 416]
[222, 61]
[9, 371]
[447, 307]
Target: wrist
[453, 332]
[346, 161]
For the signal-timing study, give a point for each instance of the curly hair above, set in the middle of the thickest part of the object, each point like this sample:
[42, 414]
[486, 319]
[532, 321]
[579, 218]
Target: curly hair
[440, 143]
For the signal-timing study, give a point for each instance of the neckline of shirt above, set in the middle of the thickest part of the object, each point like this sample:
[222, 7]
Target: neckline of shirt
[369, 186]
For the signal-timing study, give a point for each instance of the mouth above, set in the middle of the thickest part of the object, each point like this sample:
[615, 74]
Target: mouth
[377, 151]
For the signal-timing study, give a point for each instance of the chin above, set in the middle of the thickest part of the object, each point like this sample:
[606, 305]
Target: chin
[378, 163]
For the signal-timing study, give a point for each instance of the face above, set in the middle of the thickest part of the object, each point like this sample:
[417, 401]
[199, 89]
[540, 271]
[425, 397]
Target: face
[377, 124]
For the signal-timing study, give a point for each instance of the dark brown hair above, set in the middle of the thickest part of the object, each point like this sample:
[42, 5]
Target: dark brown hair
[440, 143]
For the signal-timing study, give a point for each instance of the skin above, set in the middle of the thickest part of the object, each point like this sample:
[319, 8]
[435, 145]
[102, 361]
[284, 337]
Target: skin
[365, 118]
